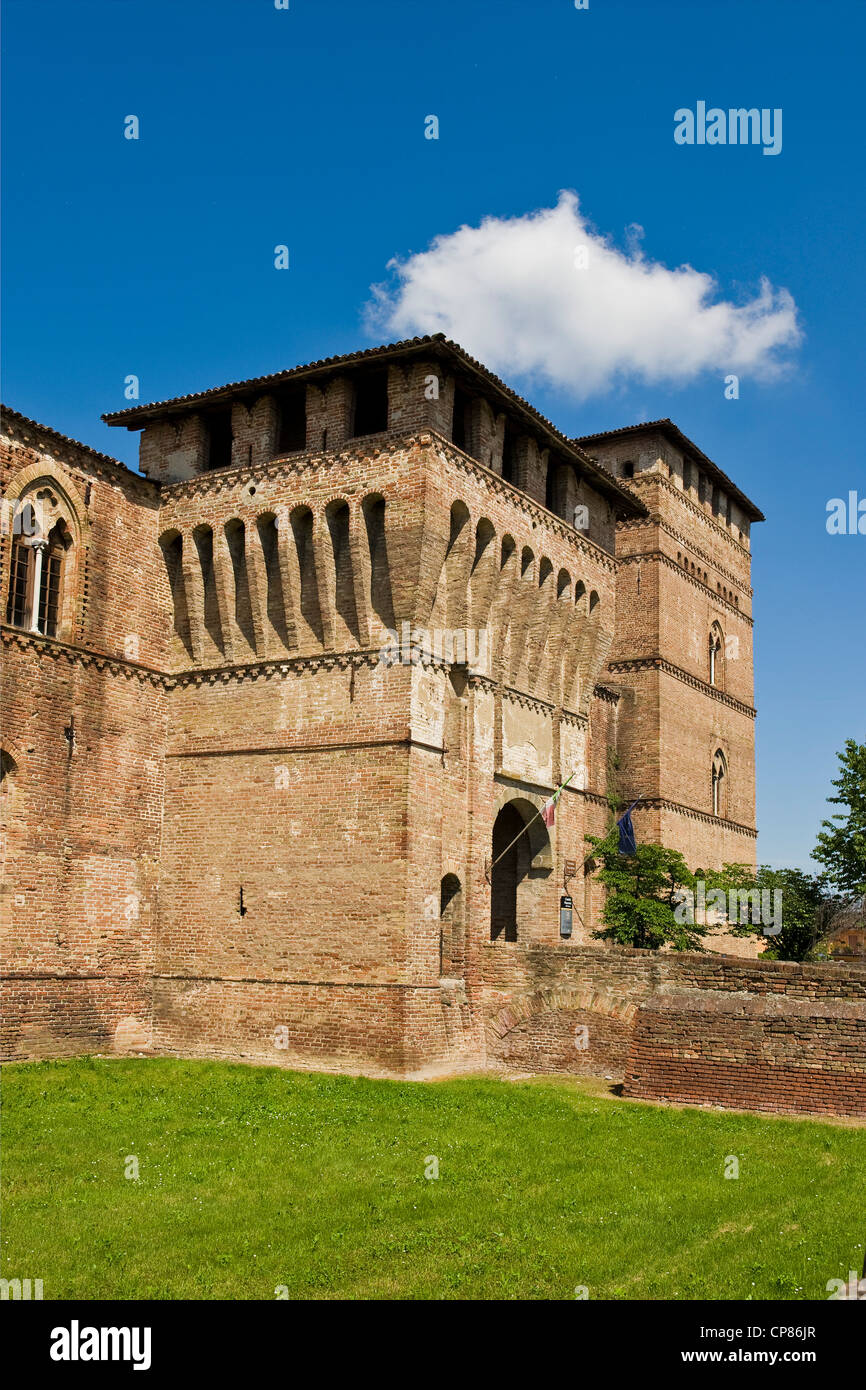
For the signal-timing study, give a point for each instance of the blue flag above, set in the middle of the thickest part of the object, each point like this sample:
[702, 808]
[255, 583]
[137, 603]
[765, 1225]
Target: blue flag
[627, 841]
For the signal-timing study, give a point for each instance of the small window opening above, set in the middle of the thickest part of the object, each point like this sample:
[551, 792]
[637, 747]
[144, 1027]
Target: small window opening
[459, 419]
[371, 404]
[720, 775]
[292, 433]
[219, 433]
[509, 455]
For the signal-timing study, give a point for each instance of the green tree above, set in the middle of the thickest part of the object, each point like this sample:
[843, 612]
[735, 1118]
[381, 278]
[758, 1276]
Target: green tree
[841, 846]
[642, 895]
[804, 902]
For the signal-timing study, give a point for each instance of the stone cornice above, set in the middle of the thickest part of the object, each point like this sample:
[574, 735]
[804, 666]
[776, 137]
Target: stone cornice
[658, 663]
[688, 542]
[476, 681]
[662, 803]
[254, 670]
[573, 720]
[597, 798]
[172, 680]
[305, 461]
[659, 555]
[317, 661]
[690, 545]
[522, 697]
[603, 692]
[329, 661]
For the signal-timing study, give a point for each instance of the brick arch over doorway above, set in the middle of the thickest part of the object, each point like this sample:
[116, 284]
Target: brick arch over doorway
[570, 1029]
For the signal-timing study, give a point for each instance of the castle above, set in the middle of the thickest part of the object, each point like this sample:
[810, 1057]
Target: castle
[242, 821]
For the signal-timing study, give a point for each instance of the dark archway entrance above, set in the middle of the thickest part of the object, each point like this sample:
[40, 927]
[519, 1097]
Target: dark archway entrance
[508, 873]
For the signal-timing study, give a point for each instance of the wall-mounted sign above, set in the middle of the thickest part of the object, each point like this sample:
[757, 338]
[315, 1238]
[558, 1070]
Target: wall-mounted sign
[565, 909]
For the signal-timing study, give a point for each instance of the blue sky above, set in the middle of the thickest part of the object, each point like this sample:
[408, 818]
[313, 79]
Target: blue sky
[306, 127]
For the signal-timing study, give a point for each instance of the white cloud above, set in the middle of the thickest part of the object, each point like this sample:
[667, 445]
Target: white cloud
[511, 293]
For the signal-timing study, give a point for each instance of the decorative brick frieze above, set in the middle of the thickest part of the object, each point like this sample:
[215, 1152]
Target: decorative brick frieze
[656, 663]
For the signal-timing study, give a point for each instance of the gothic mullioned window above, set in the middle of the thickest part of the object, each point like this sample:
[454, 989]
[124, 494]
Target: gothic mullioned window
[720, 785]
[36, 580]
[17, 609]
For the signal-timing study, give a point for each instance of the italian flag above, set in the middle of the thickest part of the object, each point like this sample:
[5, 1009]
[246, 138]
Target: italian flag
[548, 810]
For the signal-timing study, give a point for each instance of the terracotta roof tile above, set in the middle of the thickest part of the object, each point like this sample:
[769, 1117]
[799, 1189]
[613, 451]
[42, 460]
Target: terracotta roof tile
[6, 412]
[137, 416]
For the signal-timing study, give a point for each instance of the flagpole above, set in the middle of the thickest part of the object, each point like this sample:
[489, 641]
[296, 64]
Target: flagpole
[520, 832]
[530, 822]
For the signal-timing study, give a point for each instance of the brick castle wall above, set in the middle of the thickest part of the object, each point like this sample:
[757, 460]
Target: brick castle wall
[83, 729]
[755, 1053]
[684, 573]
[232, 830]
[766, 1035]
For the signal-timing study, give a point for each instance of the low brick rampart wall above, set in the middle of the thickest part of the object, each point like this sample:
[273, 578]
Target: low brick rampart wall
[701, 1029]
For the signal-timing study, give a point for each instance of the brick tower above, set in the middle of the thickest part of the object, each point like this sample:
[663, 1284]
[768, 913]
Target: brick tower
[682, 650]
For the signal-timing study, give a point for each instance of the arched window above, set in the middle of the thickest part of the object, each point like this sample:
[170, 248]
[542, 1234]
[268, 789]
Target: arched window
[720, 785]
[36, 580]
[450, 925]
[717, 655]
[8, 769]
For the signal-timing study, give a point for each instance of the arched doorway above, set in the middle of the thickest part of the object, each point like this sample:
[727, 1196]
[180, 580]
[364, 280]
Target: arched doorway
[510, 870]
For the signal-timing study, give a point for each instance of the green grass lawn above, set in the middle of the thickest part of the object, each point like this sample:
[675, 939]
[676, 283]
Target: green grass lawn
[250, 1178]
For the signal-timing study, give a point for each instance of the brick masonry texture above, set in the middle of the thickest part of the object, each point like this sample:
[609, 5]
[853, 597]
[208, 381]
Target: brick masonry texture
[699, 1028]
[754, 1053]
[231, 829]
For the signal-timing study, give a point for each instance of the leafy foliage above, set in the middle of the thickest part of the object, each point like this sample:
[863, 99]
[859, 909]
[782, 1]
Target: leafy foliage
[642, 895]
[841, 845]
[806, 907]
